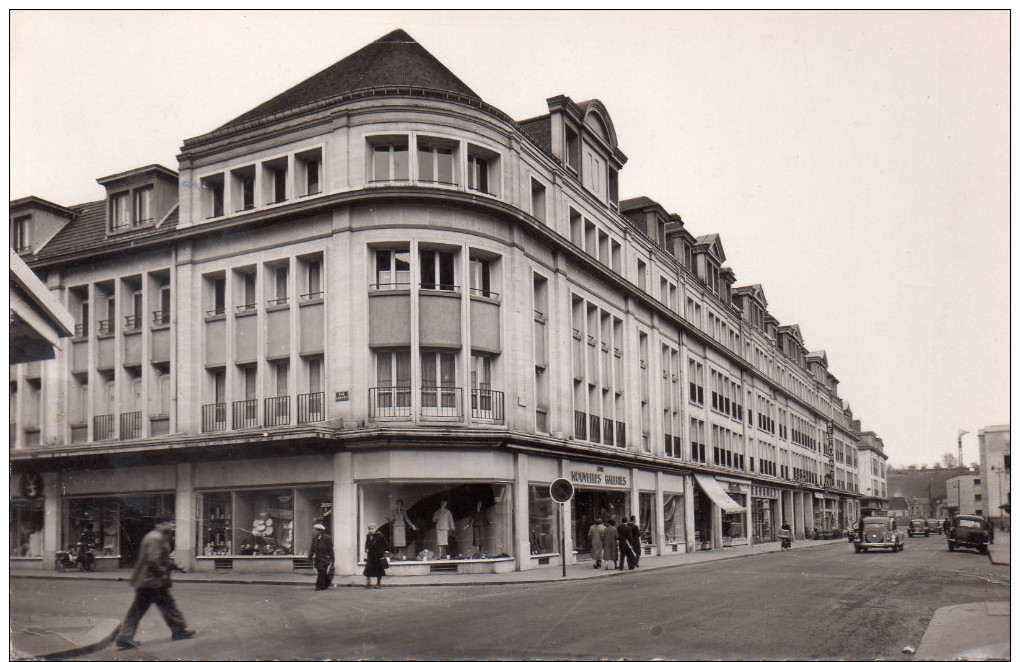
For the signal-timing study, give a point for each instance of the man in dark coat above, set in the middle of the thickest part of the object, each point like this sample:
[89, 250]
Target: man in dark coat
[635, 539]
[151, 581]
[626, 551]
[321, 556]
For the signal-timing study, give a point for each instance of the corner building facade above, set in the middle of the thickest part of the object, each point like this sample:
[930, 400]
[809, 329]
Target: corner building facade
[376, 293]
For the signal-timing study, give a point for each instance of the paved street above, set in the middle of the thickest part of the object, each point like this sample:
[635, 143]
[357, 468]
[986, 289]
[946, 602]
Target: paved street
[821, 602]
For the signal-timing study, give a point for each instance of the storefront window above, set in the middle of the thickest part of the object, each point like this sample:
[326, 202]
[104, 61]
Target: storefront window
[761, 514]
[263, 522]
[426, 521]
[673, 518]
[733, 523]
[27, 529]
[103, 514]
[646, 517]
[590, 504]
[543, 521]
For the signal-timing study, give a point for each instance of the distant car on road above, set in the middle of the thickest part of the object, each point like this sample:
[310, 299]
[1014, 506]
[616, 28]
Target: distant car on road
[878, 533]
[934, 526]
[971, 531]
[917, 527]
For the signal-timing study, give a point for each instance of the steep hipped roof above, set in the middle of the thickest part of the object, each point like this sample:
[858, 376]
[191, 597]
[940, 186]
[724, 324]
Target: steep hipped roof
[396, 60]
[88, 230]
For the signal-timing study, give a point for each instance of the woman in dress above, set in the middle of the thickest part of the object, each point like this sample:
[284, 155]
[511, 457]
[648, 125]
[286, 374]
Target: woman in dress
[375, 557]
[400, 521]
[609, 544]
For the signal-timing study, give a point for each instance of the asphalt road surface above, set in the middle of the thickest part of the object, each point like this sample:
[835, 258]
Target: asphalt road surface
[815, 603]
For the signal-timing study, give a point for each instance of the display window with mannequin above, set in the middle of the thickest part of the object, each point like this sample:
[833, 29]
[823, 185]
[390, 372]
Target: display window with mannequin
[441, 521]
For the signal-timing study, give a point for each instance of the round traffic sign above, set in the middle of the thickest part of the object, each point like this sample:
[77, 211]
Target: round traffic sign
[561, 490]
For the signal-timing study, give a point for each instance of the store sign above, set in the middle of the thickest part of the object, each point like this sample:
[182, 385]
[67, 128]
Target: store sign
[594, 476]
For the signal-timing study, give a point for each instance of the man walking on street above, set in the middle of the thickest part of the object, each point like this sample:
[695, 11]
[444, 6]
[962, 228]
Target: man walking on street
[321, 556]
[151, 581]
[626, 551]
[635, 539]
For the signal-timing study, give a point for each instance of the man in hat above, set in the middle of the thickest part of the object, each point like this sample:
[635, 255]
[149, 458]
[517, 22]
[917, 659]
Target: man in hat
[321, 556]
[151, 581]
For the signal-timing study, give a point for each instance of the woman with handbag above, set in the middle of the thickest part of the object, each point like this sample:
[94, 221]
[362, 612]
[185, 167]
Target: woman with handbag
[375, 557]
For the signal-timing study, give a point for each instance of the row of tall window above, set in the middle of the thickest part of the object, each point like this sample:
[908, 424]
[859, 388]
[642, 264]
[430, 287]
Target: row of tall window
[128, 313]
[277, 287]
[257, 185]
[437, 270]
[132, 208]
[433, 160]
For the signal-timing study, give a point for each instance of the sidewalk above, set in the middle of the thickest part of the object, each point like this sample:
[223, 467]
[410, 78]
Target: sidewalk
[998, 552]
[38, 637]
[974, 631]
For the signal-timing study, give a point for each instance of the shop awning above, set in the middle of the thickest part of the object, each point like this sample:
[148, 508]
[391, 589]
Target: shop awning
[716, 493]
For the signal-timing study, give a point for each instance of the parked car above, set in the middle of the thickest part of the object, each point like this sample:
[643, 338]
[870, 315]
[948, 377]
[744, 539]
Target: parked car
[971, 531]
[878, 533]
[935, 526]
[917, 527]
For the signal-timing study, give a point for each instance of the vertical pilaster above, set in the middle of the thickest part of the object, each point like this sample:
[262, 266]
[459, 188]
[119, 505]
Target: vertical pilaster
[522, 541]
[186, 516]
[567, 519]
[660, 516]
[52, 520]
[689, 529]
[345, 514]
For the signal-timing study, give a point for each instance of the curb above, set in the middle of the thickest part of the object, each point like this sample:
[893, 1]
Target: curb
[104, 641]
[350, 583]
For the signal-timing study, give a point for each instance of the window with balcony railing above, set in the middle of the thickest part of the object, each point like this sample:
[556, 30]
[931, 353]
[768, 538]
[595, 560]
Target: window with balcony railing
[580, 425]
[487, 405]
[389, 402]
[311, 407]
[131, 425]
[132, 323]
[277, 411]
[245, 414]
[102, 427]
[214, 417]
[594, 428]
[441, 401]
[106, 327]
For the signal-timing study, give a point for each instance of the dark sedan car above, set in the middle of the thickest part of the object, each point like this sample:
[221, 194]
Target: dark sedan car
[969, 531]
[935, 526]
[917, 527]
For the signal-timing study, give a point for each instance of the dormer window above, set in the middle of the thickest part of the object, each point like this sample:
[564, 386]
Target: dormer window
[573, 150]
[212, 196]
[120, 213]
[142, 207]
[20, 234]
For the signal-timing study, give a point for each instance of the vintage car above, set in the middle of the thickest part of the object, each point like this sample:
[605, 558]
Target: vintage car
[878, 533]
[971, 531]
[935, 526]
[917, 527]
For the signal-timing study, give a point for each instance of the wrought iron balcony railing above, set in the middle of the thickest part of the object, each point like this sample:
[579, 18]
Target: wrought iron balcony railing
[214, 417]
[487, 405]
[311, 407]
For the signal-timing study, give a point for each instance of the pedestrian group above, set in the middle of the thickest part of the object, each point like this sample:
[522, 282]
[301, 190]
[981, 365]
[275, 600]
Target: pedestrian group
[616, 543]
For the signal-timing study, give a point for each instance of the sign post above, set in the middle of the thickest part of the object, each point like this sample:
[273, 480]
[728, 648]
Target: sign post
[562, 491]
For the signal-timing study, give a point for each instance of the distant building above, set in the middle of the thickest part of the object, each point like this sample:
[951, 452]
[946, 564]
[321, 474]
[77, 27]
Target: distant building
[965, 496]
[872, 471]
[993, 447]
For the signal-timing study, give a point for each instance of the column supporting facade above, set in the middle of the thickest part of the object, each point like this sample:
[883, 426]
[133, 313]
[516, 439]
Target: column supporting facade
[522, 543]
[660, 517]
[185, 516]
[689, 530]
[51, 520]
[567, 520]
[345, 514]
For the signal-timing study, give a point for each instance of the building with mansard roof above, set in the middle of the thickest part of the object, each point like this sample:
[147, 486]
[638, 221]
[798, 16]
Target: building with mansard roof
[376, 294]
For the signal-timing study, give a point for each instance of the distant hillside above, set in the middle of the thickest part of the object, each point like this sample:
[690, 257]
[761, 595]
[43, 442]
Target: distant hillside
[915, 482]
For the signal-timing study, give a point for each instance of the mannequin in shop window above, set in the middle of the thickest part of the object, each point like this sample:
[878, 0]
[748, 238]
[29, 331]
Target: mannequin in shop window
[477, 521]
[443, 519]
[399, 523]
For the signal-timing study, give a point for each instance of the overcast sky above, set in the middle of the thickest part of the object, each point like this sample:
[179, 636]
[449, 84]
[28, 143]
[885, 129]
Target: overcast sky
[856, 164]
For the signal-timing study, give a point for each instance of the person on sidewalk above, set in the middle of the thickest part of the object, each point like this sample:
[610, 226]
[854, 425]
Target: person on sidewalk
[595, 535]
[151, 581]
[609, 544]
[321, 556]
[87, 549]
[785, 537]
[623, 535]
[635, 539]
[375, 557]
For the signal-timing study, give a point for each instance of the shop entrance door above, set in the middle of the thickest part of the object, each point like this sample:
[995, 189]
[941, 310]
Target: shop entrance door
[702, 519]
[589, 504]
[137, 517]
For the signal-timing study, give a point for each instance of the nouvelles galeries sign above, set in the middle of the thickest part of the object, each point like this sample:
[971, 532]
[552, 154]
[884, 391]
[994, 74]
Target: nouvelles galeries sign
[597, 476]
